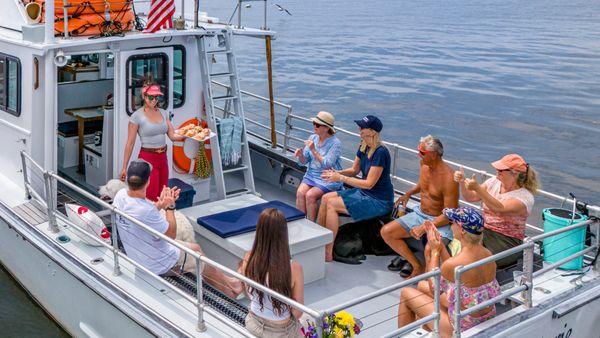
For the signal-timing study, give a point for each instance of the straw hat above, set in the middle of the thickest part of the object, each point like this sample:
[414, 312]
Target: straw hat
[325, 119]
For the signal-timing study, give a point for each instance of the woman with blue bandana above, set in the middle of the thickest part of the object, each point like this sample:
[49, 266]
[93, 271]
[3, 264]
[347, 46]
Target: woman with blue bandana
[477, 285]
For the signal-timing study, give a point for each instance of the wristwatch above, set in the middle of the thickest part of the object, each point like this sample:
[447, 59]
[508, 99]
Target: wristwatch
[170, 207]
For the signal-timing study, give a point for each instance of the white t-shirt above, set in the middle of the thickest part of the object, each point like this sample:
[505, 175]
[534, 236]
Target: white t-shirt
[155, 254]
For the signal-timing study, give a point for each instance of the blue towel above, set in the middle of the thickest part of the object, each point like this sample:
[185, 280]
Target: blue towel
[230, 134]
[239, 221]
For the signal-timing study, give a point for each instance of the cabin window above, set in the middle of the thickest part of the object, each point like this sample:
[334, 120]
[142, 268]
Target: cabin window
[10, 84]
[178, 76]
[142, 68]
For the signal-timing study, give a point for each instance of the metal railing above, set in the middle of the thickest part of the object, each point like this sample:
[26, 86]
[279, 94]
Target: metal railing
[54, 215]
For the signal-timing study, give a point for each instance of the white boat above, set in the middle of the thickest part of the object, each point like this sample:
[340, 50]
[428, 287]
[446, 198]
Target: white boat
[47, 82]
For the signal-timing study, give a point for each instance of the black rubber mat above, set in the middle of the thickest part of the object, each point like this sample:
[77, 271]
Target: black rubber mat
[212, 297]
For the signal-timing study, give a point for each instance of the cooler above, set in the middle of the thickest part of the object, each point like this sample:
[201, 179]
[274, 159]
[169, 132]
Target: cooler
[186, 195]
[568, 243]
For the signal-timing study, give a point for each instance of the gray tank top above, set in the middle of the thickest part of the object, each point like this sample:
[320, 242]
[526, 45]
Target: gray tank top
[151, 134]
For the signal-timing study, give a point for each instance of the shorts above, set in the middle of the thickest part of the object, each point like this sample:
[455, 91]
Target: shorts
[261, 327]
[185, 263]
[361, 206]
[417, 217]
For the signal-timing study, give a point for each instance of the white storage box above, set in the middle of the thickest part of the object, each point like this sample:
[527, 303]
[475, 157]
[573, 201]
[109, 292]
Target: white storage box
[95, 166]
[68, 149]
[202, 187]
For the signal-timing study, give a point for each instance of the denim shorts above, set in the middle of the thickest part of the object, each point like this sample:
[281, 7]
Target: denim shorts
[417, 217]
[361, 206]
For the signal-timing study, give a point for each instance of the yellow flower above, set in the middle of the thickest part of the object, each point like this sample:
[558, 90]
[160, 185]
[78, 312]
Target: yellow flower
[337, 331]
[345, 319]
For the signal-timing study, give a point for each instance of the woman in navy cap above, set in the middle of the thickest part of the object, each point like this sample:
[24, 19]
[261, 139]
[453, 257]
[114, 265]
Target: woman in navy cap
[372, 194]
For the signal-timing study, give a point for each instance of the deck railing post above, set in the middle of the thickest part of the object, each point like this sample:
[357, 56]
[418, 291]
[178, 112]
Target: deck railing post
[25, 183]
[596, 225]
[66, 19]
[50, 204]
[200, 296]
[527, 277]
[115, 242]
[457, 301]
[196, 9]
[319, 323]
[288, 128]
[436, 304]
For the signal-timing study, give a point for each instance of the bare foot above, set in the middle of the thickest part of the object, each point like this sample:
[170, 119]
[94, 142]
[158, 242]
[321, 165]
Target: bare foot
[417, 270]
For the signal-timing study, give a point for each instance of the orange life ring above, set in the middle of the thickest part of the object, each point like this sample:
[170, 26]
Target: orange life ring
[180, 160]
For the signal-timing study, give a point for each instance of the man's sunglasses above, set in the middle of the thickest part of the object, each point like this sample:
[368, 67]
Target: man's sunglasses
[316, 125]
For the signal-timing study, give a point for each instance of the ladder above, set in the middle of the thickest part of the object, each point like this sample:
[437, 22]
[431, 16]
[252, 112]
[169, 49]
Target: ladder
[232, 99]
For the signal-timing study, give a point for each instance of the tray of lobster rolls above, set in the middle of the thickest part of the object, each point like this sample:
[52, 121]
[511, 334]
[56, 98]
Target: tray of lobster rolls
[195, 132]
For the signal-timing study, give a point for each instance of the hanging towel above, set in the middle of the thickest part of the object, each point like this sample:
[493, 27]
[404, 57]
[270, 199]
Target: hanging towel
[231, 140]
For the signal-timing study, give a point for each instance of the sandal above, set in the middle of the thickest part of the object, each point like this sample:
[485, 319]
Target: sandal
[396, 264]
[406, 270]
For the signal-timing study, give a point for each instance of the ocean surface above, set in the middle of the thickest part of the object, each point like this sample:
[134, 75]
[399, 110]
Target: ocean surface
[487, 77]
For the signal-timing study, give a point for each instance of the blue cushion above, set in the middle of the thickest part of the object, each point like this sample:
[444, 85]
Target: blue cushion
[239, 221]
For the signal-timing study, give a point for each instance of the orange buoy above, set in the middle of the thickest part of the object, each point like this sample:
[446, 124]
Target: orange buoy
[181, 161]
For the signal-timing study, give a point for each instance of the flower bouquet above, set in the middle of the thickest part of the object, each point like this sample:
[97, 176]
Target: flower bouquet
[338, 325]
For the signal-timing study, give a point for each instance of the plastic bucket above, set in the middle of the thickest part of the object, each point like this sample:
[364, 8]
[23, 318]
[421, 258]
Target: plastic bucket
[567, 243]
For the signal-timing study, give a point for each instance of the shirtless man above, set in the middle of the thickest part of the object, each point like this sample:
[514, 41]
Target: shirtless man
[438, 191]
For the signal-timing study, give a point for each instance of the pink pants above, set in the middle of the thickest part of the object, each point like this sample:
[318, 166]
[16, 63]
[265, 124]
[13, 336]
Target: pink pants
[159, 176]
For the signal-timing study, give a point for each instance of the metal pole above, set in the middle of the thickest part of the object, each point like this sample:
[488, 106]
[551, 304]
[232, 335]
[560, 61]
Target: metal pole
[65, 19]
[115, 242]
[196, 8]
[53, 226]
[436, 304]
[527, 277]
[597, 240]
[288, 127]
[239, 14]
[24, 164]
[271, 103]
[265, 17]
[200, 296]
[457, 300]
[319, 324]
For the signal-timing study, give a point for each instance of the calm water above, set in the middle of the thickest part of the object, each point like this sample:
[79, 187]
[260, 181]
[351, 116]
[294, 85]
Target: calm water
[487, 77]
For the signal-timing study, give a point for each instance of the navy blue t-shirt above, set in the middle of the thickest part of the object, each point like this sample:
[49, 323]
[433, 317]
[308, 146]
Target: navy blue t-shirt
[383, 189]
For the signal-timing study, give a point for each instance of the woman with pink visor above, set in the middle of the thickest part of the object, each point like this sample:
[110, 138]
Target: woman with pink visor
[151, 124]
[507, 201]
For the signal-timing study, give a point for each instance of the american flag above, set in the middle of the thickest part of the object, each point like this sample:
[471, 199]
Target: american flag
[160, 16]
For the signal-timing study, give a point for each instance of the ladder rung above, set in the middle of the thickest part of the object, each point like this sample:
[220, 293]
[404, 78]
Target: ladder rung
[222, 74]
[237, 192]
[219, 51]
[224, 97]
[244, 167]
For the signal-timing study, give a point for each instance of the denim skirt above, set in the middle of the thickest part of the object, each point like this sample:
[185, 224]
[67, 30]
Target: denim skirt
[361, 206]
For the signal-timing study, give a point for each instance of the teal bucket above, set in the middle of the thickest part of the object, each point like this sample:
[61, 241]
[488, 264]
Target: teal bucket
[567, 243]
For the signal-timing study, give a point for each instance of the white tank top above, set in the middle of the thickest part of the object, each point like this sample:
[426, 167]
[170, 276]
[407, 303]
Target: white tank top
[267, 312]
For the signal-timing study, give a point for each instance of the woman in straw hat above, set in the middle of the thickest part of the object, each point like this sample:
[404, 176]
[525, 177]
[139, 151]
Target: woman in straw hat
[507, 201]
[322, 151]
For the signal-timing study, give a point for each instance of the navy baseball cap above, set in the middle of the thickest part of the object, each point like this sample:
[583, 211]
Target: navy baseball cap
[469, 219]
[371, 122]
[139, 168]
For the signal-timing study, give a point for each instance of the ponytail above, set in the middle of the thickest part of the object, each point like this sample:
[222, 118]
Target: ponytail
[529, 180]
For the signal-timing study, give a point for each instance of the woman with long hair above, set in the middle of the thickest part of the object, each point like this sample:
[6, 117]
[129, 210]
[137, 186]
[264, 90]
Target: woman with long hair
[151, 123]
[322, 151]
[478, 285]
[269, 263]
[372, 194]
[507, 200]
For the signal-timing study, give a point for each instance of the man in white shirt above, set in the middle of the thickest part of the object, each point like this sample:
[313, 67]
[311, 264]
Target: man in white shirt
[155, 254]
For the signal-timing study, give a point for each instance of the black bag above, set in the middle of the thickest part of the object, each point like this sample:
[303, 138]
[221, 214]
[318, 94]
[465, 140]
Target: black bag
[355, 240]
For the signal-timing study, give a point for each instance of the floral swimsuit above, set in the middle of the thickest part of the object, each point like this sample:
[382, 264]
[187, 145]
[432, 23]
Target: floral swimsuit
[469, 298]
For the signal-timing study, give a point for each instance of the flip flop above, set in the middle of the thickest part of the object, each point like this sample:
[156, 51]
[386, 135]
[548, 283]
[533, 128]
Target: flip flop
[406, 270]
[396, 264]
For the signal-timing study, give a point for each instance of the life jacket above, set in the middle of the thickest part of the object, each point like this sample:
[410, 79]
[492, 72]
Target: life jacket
[92, 17]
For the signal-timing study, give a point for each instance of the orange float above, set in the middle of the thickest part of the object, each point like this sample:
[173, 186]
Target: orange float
[90, 17]
[181, 161]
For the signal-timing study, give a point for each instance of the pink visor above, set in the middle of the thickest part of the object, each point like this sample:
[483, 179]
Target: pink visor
[152, 90]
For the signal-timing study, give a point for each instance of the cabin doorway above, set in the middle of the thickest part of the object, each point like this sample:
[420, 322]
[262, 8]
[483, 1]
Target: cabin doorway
[85, 119]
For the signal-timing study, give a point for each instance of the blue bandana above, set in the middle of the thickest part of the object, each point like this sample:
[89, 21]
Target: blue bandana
[469, 218]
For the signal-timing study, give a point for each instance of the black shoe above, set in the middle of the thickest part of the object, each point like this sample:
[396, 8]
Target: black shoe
[406, 270]
[396, 264]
